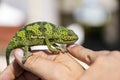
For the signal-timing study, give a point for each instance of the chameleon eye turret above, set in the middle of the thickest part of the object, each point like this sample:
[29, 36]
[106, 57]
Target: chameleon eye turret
[40, 33]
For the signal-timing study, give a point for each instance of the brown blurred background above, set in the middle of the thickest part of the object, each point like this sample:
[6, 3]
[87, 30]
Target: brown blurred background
[95, 21]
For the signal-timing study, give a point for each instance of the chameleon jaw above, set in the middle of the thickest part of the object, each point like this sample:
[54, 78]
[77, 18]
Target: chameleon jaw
[67, 42]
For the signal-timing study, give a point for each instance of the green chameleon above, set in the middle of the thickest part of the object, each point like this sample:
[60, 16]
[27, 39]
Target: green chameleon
[40, 33]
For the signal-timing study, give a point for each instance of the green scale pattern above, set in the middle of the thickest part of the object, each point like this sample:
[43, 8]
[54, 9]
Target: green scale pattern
[41, 33]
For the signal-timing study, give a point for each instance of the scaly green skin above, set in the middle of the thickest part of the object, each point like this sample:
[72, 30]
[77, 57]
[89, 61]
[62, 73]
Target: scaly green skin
[40, 33]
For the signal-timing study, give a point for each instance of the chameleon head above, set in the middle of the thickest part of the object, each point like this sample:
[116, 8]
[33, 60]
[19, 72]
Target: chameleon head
[67, 36]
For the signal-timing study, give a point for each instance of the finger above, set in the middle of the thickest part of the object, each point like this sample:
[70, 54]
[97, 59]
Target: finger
[27, 76]
[11, 72]
[83, 54]
[35, 64]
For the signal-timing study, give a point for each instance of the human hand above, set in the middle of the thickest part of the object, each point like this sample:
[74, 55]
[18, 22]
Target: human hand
[43, 65]
[104, 65]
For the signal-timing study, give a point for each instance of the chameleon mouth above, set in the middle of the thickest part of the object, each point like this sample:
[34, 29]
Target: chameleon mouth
[69, 41]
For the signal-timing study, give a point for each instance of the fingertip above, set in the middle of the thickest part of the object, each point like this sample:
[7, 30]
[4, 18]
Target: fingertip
[74, 47]
[71, 46]
[18, 53]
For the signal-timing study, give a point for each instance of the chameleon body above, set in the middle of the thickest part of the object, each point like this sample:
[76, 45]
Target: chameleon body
[40, 33]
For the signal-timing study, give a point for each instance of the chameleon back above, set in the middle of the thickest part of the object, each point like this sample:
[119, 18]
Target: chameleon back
[30, 35]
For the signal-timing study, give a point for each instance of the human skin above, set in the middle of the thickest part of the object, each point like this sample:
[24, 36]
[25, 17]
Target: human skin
[104, 65]
[43, 65]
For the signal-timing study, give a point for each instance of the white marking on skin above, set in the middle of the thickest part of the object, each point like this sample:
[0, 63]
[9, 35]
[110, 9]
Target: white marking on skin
[39, 37]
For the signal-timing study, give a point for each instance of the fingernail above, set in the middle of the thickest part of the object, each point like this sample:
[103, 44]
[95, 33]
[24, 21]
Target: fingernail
[71, 46]
[19, 52]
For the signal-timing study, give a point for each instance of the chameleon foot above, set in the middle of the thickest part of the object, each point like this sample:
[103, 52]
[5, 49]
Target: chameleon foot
[61, 49]
[24, 59]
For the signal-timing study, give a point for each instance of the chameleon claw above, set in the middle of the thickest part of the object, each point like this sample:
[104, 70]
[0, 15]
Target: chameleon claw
[24, 59]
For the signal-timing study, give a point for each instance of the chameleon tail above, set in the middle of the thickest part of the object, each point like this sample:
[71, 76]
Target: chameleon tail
[10, 47]
[8, 51]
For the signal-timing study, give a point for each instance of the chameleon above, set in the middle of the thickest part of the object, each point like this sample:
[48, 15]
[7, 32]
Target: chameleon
[40, 33]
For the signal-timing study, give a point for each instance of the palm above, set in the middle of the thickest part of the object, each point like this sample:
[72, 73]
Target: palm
[59, 64]
[43, 65]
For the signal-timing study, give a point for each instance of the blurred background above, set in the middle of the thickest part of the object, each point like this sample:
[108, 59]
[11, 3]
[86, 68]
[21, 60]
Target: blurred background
[96, 22]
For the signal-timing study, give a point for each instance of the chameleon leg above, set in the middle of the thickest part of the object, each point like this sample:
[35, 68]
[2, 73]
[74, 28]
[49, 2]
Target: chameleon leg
[26, 55]
[49, 45]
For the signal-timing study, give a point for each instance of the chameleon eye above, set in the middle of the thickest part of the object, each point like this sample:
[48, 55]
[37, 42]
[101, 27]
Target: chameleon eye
[51, 40]
[70, 33]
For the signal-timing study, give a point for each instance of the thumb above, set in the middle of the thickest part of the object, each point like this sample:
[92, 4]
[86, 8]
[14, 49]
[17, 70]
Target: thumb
[36, 64]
